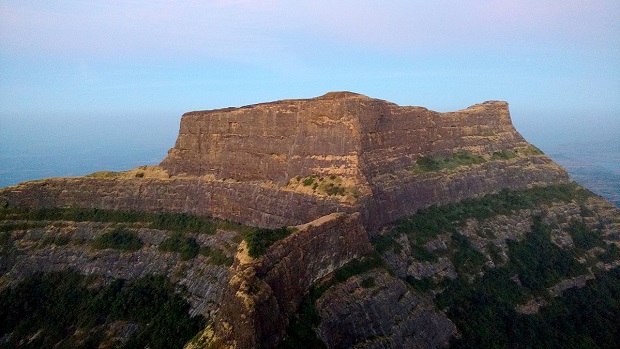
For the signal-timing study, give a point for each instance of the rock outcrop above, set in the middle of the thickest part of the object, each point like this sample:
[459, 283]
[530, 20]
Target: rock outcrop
[376, 310]
[264, 293]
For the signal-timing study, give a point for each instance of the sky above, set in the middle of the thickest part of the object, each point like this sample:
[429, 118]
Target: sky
[555, 62]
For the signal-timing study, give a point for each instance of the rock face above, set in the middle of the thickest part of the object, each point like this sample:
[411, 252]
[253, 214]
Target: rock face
[240, 163]
[205, 282]
[339, 133]
[384, 314]
[265, 292]
[237, 201]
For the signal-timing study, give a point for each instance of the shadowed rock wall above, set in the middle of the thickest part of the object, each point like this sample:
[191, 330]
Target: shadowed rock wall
[264, 293]
[241, 202]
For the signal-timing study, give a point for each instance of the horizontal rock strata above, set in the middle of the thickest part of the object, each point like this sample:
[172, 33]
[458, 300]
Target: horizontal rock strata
[236, 163]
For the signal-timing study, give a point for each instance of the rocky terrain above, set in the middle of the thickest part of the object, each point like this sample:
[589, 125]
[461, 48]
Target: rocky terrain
[406, 228]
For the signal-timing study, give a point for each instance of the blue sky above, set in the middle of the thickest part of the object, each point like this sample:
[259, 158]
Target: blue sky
[544, 57]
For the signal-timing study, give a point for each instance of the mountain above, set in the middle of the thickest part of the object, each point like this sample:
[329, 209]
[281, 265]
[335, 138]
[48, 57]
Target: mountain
[337, 221]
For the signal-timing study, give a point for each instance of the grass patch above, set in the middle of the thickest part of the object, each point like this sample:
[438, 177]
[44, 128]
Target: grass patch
[436, 163]
[104, 174]
[530, 150]
[308, 181]
[329, 185]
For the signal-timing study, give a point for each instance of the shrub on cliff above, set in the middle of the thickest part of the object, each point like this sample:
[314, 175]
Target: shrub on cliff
[64, 310]
[187, 247]
[119, 239]
[259, 240]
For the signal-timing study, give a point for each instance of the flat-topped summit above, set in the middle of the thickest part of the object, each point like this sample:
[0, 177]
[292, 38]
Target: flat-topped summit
[339, 133]
[291, 161]
[341, 94]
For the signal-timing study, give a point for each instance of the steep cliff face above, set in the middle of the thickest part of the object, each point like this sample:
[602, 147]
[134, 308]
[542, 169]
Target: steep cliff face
[257, 205]
[266, 292]
[341, 152]
[337, 134]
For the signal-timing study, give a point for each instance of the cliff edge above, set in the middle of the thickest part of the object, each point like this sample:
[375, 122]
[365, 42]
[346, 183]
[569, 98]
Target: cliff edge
[340, 152]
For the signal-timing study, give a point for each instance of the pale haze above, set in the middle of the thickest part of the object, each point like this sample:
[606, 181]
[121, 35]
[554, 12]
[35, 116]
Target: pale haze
[118, 74]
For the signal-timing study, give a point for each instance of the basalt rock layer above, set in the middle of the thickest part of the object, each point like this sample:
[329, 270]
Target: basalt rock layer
[341, 168]
[293, 161]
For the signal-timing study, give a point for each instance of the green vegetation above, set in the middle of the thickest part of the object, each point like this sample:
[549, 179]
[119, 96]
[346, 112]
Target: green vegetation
[584, 238]
[484, 309]
[354, 267]
[218, 257]
[58, 240]
[428, 223]
[465, 258]
[260, 239]
[332, 189]
[582, 318]
[530, 150]
[63, 310]
[421, 285]
[6, 243]
[187, 247]
[505, 154]
[300, 332]
[308, 181]
[180, 222]
[104, 174]
[434, 163]
[540, 263]
[368, 282]
[7, 227]
[330, 185]
[437, 162]
[437, 219]
[611, 255]
[118, 239]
